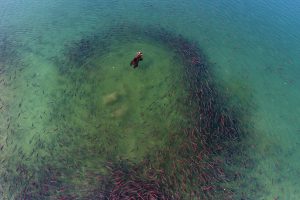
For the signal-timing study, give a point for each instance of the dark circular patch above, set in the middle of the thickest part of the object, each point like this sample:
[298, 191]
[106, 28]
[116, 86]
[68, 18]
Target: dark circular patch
[193, 165]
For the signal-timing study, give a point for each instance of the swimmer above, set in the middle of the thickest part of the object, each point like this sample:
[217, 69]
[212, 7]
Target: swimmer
[135, 61]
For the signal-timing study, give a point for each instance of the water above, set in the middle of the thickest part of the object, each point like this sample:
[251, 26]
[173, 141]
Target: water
[253, 48]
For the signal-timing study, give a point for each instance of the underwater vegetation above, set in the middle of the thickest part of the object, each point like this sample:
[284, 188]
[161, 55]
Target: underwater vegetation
[84, 161]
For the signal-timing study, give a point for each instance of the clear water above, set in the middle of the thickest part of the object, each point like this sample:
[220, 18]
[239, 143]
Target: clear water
[254, 48]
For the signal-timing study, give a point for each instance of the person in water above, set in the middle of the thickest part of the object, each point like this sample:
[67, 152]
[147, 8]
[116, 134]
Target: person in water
[137, 58]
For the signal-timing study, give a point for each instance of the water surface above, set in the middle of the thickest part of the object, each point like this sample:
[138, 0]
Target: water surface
[253, 48]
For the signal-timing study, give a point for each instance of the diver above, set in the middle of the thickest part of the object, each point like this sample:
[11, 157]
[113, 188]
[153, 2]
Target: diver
[137, 58]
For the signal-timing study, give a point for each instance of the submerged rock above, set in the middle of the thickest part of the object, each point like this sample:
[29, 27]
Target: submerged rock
[120, 112]
[111, 98]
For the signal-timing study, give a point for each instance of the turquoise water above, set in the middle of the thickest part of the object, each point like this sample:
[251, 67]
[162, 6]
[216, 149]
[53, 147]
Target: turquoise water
[254, 48]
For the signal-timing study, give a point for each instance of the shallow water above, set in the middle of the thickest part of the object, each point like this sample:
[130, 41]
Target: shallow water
[59, 109]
